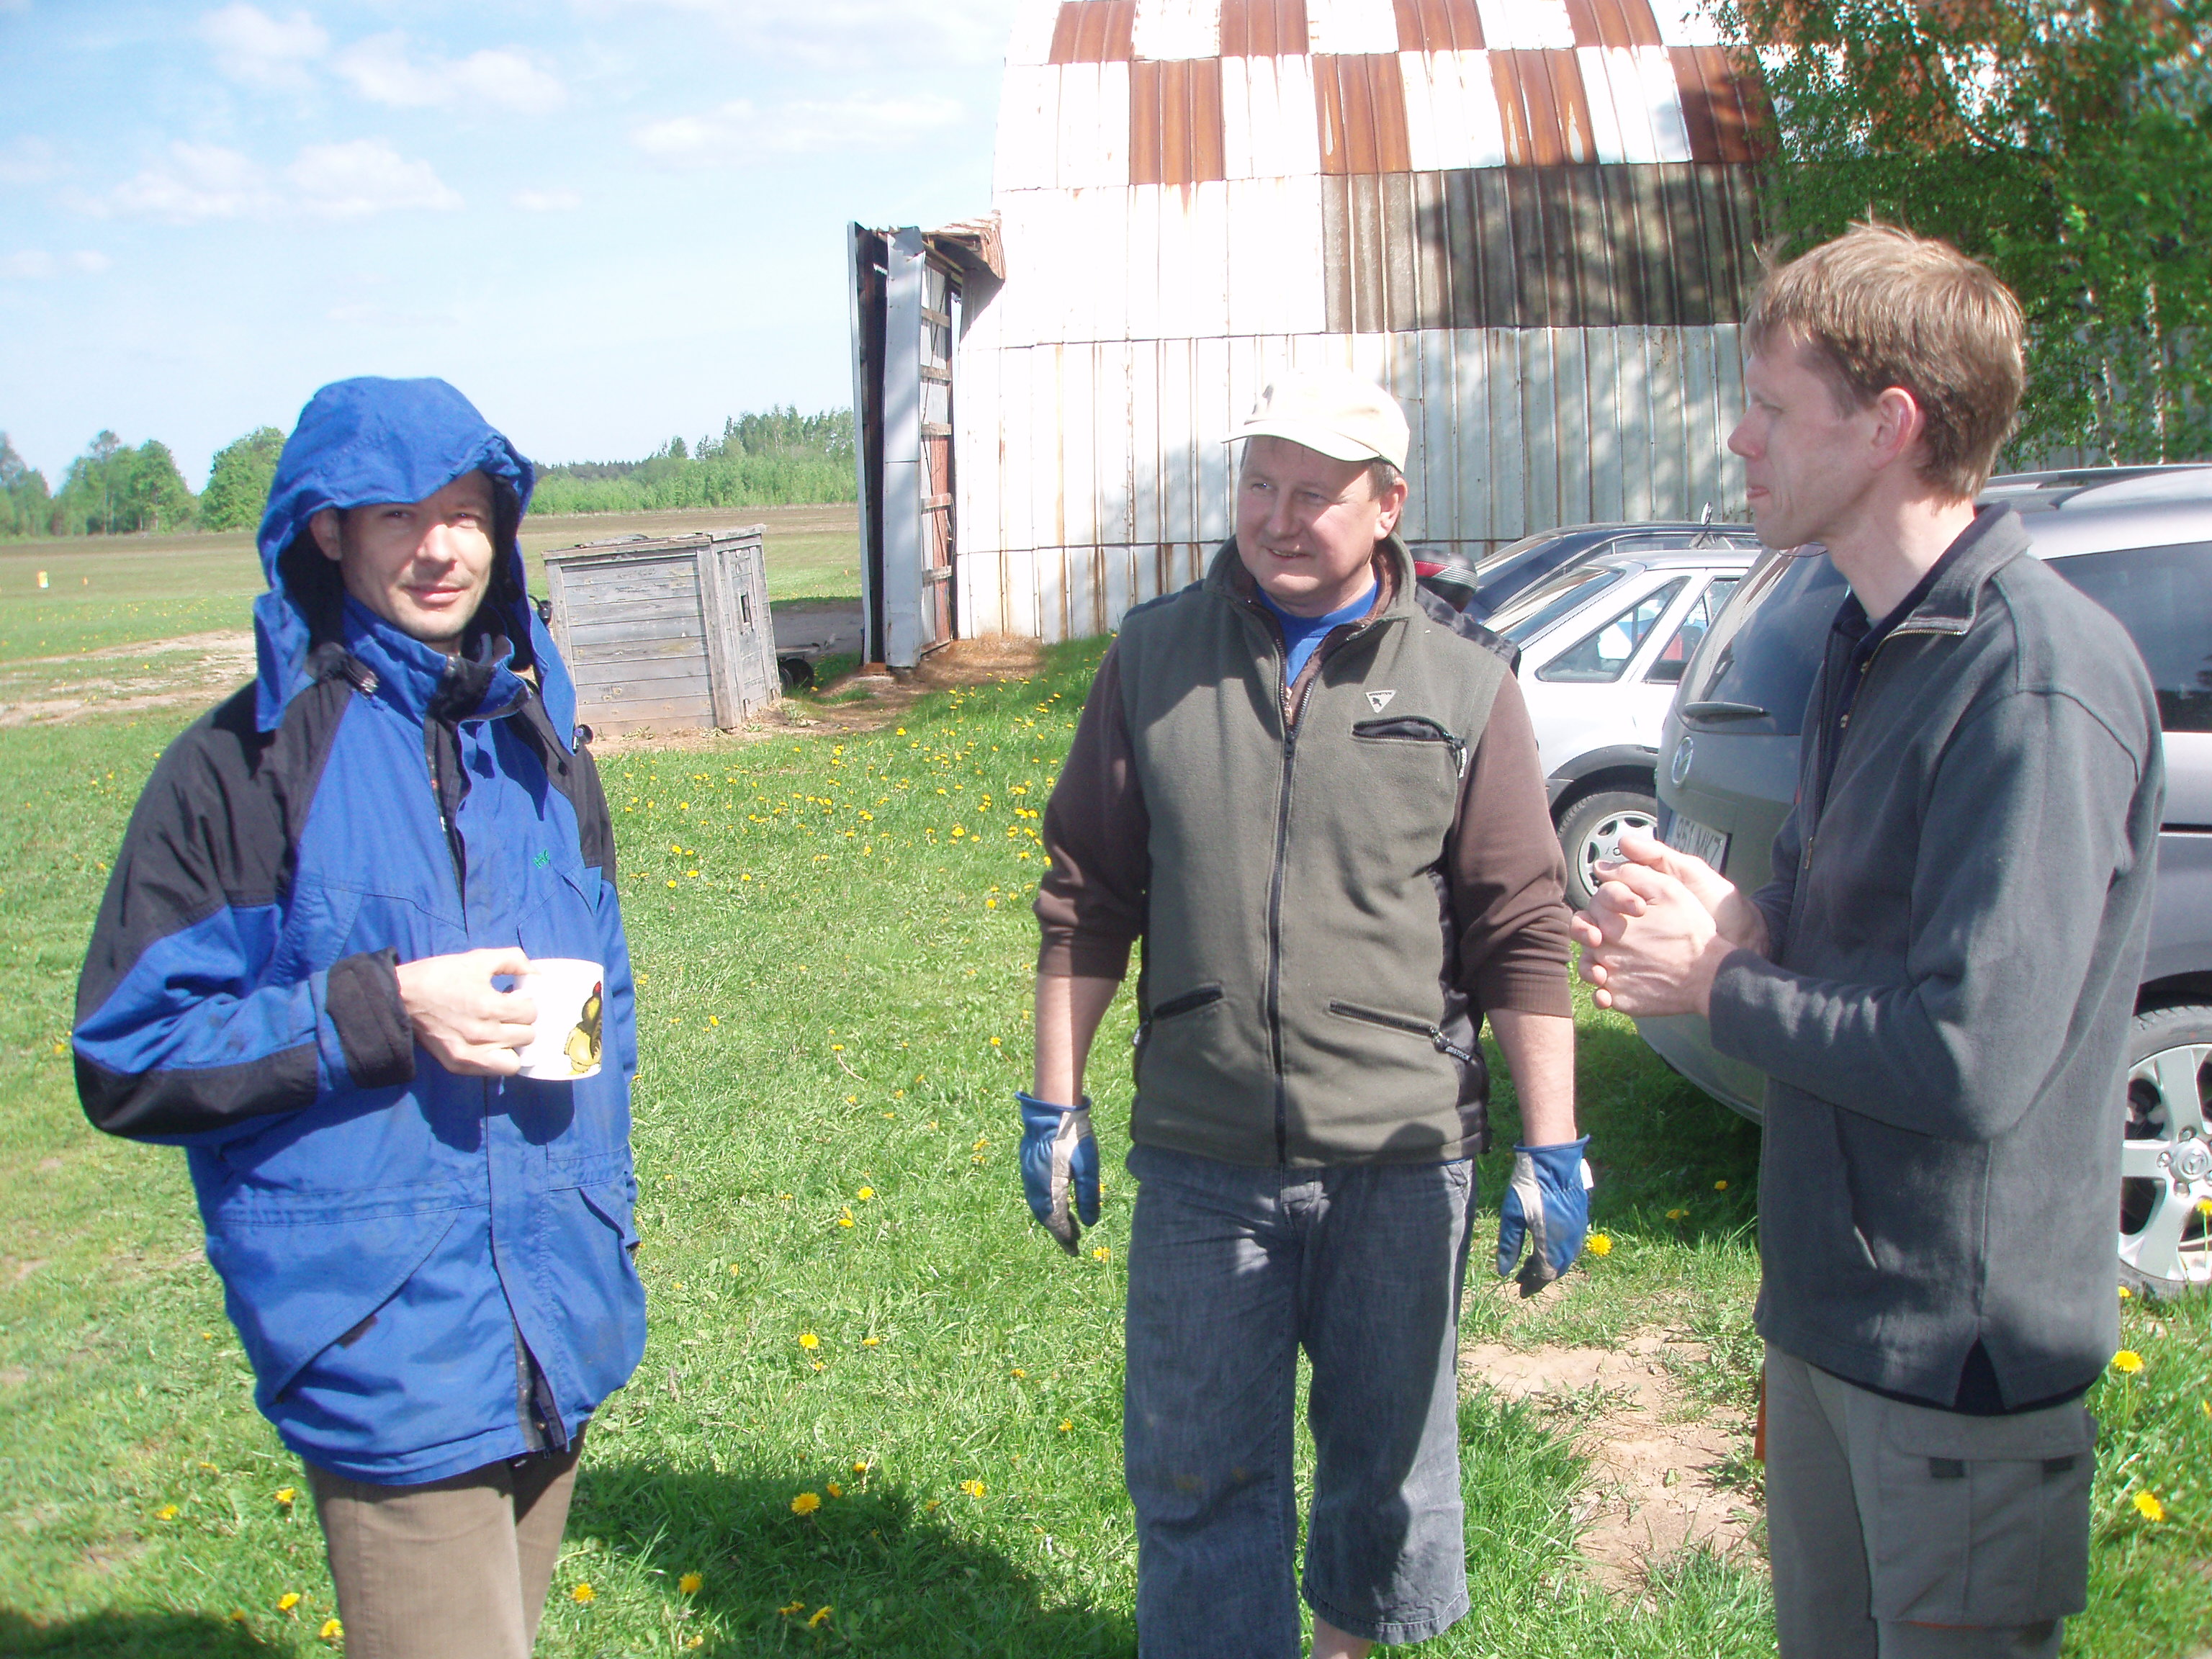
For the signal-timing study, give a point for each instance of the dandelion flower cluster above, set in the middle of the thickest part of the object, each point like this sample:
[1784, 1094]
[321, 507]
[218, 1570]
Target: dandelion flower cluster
[287, 1601]
[821, 1616]
[1720, 1186]
[809, 1341]
[583, 1595]
[2150, 1508]
[2127, 1362]
[332, 1631]
[834, 1489]
[689, 1584]
[1677, 1215]
[806, 1502]
[973, 1488]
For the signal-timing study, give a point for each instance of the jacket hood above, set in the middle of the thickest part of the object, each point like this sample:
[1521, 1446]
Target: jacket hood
[367, 440]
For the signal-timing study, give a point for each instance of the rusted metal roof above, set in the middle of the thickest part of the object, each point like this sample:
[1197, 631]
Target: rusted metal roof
[1567, 82]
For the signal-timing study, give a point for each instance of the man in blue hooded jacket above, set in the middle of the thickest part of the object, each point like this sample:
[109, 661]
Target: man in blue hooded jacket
[294, 976]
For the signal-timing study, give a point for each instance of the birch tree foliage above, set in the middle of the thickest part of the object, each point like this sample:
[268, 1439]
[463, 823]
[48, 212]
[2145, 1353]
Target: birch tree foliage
[2067, 145]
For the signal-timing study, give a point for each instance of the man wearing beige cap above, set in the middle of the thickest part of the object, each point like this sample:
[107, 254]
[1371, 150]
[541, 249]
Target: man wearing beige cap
[1312, 790]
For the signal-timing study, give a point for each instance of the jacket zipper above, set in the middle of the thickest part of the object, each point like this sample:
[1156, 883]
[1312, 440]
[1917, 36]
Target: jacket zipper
[1843, 732]
[438, 799]
[1435, 1033]
[1291, 704]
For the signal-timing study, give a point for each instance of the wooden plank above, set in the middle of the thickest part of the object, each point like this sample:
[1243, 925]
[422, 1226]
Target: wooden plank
[1436, 437]
[623, 630]
[1051, 568]
[1540, 436]
[1216, 414]
[1601, 359]
[1079, 447]
[1663, 370]
[1507, 464]
[596, 676]
[1569, 418]
[1633, 404]
[1145, 457]
[1701, 426]
[1120, 584]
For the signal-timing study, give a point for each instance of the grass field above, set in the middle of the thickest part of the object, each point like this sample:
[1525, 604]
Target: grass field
[848, 1298]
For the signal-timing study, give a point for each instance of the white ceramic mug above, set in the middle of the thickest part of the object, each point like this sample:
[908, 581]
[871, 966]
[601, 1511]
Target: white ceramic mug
[570, 996]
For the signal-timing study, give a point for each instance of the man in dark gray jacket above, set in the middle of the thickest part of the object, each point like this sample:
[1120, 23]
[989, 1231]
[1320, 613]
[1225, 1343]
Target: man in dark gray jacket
[1936, 983]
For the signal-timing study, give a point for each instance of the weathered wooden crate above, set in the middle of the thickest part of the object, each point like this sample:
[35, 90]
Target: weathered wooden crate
[666, 634]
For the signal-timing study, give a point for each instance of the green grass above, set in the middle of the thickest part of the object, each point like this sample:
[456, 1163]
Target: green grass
[107, 590]
[833, 994]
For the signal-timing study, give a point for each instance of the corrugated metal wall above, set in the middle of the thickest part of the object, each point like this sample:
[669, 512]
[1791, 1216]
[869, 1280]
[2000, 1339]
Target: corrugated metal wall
[1531, 219]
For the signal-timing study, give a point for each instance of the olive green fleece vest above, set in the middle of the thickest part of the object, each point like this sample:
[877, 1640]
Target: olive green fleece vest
[1299, 998]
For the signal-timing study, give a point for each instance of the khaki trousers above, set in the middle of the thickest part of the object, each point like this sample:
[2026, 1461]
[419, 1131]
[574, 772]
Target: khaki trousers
[1904, 1532]
[454, 1569]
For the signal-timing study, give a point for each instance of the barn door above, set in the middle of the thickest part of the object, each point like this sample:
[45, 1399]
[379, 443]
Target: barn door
[905, 319]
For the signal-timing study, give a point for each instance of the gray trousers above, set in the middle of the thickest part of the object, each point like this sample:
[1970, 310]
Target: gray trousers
[1904, 1532]
[454, 1568]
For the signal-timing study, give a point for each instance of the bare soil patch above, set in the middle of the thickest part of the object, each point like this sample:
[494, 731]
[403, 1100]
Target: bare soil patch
[190, 668]
[1661, 1477]
[860, 702]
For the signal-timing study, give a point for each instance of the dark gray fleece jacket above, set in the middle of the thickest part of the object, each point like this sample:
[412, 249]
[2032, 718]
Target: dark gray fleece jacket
[1956, 929]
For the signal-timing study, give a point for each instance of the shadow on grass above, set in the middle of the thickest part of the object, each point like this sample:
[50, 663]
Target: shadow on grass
[1658, 1142]
[128, 1636]
[899, 1578]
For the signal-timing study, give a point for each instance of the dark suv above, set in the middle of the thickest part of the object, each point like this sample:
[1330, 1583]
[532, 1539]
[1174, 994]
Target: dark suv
[2138, 540]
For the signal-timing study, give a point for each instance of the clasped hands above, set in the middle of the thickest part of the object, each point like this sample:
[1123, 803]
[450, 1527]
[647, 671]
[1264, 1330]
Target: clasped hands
[1658, 928]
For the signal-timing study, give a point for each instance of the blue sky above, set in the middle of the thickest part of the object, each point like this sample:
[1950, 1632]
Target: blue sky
[606, 221]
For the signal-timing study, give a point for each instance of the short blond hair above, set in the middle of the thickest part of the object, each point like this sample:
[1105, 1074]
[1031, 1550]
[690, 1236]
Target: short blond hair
[1880, 308]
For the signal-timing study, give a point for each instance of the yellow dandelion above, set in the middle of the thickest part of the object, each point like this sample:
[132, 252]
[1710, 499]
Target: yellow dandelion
[845, 1217]
[583, 1595]
[2126, 1294]
[2204, 1208]
[860, 1467]
[834, 1489]
[1101, 1253]
[872, 1342]
[285, 1495]
[973, 1488]
[1599, 1244]
[1720, 1186]
[167, 1512]
[821, 1364]
[689, 1584]
[332, 1631]
[2150, 1508]
[1066, 1424]
[733, 1270]
[866, 1194]
[1676, 1215]
[2127, 1362]
[930, 1507]
[287, 1601]
[795, 1607]
[806, 1502]
[808, 1341]
[821, 1615]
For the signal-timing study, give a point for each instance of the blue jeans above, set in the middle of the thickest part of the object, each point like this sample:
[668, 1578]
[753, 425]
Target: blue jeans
[1231, 1271]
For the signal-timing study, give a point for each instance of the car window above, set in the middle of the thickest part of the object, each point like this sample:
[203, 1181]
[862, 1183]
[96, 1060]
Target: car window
[1544, 604]
[1602, 654]
[2164, 597]
[1754, 668]
[1675, 656]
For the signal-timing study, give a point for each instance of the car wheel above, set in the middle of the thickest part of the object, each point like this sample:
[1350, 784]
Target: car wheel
[2165, 1154]
[1590, 832]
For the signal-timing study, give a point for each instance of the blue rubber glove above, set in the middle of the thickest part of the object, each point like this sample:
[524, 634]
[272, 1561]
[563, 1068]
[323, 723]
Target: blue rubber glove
[1059, 1153]
[1547, 1203]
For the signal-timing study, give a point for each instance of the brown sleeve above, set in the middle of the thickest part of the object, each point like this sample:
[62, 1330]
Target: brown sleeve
[1098, 844]
[1508, 878]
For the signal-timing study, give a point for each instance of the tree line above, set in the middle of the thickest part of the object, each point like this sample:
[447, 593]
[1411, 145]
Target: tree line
[770, 458]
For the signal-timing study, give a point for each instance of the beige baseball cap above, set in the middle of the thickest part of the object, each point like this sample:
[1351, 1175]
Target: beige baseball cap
[1333, 411]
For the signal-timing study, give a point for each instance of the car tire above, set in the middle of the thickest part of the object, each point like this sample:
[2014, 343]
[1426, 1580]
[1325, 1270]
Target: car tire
[2166, 1155]
[1590, 830]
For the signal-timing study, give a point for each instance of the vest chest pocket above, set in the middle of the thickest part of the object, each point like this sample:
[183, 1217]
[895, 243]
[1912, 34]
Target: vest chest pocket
[1415, 729]
[1401, 782]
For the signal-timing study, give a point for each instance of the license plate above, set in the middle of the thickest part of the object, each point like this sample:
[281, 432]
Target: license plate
[1687, 835]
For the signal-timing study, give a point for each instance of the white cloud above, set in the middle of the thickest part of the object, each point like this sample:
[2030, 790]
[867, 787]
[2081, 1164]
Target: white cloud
[383, 71]
[36, 264]
[741, 129]
[547, 200]
[26, 160]
[257, 49]
[196, 183]
[366, 176]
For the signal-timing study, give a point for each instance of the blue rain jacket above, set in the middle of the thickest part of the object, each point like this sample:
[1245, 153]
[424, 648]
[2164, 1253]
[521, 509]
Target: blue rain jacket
[428, 1272]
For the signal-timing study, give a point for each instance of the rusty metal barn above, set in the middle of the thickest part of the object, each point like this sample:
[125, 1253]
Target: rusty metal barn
[1533, 220]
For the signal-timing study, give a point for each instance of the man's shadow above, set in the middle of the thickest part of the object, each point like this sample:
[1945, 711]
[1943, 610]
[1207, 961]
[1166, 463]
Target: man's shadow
[898, 1576]
[128, 1636]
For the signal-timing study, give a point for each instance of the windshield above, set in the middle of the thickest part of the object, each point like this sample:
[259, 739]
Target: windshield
[1489, 562]
[2163, 595]
[1544, 604]
[1756, 678]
